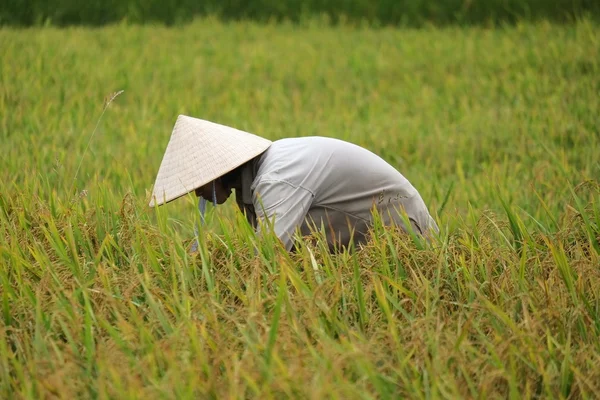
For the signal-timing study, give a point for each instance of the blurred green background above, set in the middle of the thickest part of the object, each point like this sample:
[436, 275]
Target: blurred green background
[385, 12]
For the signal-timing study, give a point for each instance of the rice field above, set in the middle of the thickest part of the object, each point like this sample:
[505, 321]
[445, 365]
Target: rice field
[498, 128]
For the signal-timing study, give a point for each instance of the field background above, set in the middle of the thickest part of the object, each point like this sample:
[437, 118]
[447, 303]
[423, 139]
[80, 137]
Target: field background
[497, 127]
[380, 12]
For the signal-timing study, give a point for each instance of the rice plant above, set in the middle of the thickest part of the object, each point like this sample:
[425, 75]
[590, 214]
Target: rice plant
[498, 129]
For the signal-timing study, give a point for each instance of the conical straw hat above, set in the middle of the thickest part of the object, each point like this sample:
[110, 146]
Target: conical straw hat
[199, 152]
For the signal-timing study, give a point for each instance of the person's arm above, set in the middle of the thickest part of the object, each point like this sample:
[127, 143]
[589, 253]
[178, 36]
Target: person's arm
[282, 204]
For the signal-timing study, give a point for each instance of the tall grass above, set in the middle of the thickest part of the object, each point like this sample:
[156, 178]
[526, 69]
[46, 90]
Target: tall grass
[498, 129]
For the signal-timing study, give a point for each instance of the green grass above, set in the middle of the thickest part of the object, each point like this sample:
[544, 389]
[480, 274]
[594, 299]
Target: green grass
[412, 13]
[497, 128]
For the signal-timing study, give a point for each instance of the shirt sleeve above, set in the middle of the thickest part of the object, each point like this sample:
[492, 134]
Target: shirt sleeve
[283, 205]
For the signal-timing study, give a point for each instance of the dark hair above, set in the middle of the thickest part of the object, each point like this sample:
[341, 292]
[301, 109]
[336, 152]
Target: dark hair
[229, 178]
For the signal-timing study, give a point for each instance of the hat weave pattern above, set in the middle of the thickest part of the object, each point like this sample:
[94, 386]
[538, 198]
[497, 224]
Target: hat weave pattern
[199, 152]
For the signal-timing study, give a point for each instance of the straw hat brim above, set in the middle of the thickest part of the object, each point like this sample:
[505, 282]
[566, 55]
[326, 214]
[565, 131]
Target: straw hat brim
[199, 152]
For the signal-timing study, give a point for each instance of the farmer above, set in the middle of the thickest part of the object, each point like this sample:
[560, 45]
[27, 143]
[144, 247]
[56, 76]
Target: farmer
[302, 183]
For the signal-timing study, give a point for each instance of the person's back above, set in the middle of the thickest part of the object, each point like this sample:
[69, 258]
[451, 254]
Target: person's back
[334, 183]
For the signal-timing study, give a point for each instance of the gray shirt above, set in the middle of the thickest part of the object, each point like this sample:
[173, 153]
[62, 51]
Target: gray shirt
[327, 183]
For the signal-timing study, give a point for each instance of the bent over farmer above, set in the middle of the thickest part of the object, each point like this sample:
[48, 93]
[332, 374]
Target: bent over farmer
[296, 183]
